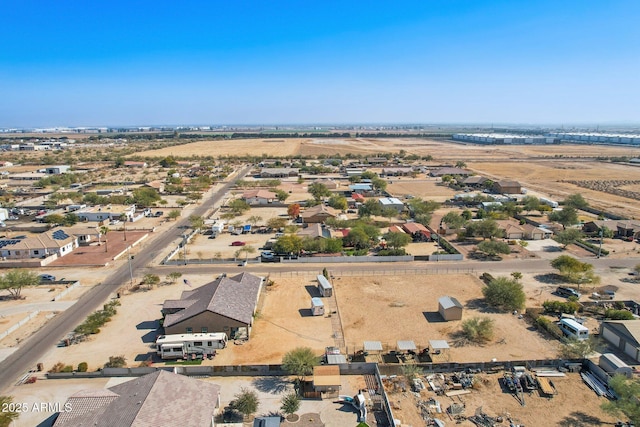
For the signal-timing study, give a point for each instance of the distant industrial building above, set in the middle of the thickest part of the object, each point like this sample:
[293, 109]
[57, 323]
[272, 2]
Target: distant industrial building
[597, 137]
[500, 138]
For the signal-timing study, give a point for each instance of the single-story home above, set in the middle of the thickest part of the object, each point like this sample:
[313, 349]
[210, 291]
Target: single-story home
[259, 197]
[57, 170]
[56, 241]
[156, 399]
[279, 172]
[315, 231]
[326, 380]
[417, 231]
[377, 160]
[361, 188]
[531, 232]
[507, 186]
[392, 202]
[227, 305]
[318, 214]
[329, 183]
[102, 213]
[449, 308]
[450, 171]
[623, 335]
[157, 185]
[397, 171]
[475, 181]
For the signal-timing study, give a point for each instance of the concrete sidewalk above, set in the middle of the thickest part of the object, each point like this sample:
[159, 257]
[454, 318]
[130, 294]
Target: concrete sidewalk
[38, 306]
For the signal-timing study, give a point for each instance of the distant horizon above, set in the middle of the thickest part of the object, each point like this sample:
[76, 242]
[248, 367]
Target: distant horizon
[475, 62]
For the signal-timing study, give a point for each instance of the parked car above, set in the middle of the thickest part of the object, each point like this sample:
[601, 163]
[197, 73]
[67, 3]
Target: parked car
[238, 243]
[47, 278]
[158, 214]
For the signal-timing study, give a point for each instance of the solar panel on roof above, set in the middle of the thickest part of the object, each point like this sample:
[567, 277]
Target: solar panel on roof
[60, 235]
[4, 243]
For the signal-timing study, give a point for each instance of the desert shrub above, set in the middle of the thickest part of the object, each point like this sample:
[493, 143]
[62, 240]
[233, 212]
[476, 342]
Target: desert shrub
[116, 362]
[83, 367]
[547, 325]
[58, 367]
[561, 306]
[478, 329]
[67, 368]
[618, 314]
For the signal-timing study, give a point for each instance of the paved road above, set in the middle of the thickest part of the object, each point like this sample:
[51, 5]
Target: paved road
[26, 357]
[507, 266]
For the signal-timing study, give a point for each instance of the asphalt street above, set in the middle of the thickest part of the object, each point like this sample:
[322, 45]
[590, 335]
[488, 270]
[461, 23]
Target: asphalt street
[28, 354]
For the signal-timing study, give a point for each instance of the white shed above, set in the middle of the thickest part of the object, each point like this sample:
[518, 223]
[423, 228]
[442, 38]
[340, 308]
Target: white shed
[613, 365]
[317, 307]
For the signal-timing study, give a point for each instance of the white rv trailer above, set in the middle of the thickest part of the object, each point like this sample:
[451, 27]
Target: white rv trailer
[573, 329]
[180, 346]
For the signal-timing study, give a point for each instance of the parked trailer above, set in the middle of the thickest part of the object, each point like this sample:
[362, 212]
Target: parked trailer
[573, 329]
[549, 202]
[180, 346]
[324, 287]
[317, 307]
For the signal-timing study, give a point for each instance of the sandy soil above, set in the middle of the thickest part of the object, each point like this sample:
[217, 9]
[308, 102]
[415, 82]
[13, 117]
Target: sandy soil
[421, 187]
[393, 308]
[574, 405]
[237, 147]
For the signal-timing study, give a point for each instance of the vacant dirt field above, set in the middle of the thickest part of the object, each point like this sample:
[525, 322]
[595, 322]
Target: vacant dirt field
[393, 308]
[574, 405]
[424, 188]
[237, 147]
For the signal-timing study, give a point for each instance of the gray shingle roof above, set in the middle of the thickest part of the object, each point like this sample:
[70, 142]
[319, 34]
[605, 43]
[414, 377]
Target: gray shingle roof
[232, 297]
[156, 399]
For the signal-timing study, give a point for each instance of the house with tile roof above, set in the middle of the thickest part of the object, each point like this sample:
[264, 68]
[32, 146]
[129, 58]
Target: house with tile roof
[225, 305]
[318, 214]
[149, 400]
[56, 241]
[259, 197]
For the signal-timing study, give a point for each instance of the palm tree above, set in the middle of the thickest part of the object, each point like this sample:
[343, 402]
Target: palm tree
[104, 230]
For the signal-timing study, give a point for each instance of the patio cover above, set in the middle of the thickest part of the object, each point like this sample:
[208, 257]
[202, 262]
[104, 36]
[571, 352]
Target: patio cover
[406, 345]
[438, 344]
[372, 346]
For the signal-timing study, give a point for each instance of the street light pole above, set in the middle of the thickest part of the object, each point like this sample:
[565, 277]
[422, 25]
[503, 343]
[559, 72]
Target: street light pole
[129, 259]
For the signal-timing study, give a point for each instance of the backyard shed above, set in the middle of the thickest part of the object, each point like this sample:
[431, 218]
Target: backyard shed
[326, 380]
[317, 307]
[449, 308]
[324, 287]
[613, 365]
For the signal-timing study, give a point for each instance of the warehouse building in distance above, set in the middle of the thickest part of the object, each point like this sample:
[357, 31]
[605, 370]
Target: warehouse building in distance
[503, 138]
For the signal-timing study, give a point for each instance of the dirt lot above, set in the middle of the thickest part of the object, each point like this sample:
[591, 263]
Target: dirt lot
[393, 308]
[574, 405]
[421, 187]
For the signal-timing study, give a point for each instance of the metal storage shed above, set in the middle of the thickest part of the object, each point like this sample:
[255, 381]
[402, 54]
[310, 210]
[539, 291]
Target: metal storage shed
[449, 308]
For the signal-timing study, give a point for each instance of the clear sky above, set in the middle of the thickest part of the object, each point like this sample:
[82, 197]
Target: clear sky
[90, 63]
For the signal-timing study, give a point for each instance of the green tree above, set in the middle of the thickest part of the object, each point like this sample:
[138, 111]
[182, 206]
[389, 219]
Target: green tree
[397, 240]
[370, 207]
[299, 362]
[461, 164]
[276, 223]
[478, 329]
[454, 220]
[174, 276]
[246, 402]
[238, 206]
[281, 195]
[505, 294]
[290, 403]
[15, 279]
[466, 215]
[7, 416]
[573, 270]
[104, 230]
[568, 236]
[70, 219]
[357, 238]
[566, 216]
[54, 219]
[628, 396]
[530, 203]
[574, 348]
[318, 190]
[288, 244]
[145, 196]
[248, 249]
[174, 214]
[576, 201]
[487, 228]
[338, 202]
[379, 184]
[516, 275]
[197, 222]
[150, 279]
[493, 248]
[254, 219]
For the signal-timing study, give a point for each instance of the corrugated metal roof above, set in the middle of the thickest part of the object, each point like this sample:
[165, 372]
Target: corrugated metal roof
[449, 302]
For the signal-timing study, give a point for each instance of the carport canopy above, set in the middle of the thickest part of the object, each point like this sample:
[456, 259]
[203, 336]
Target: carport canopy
[406, 346]
[438, 345]
[372, 346]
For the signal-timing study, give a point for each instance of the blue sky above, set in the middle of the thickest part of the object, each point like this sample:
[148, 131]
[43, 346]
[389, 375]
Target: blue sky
[79, 63]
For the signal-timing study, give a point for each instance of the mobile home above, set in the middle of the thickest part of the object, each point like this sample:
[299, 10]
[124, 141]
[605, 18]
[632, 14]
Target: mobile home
[180, 346]
[317, 307]
[573, 329]
[324, 287]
